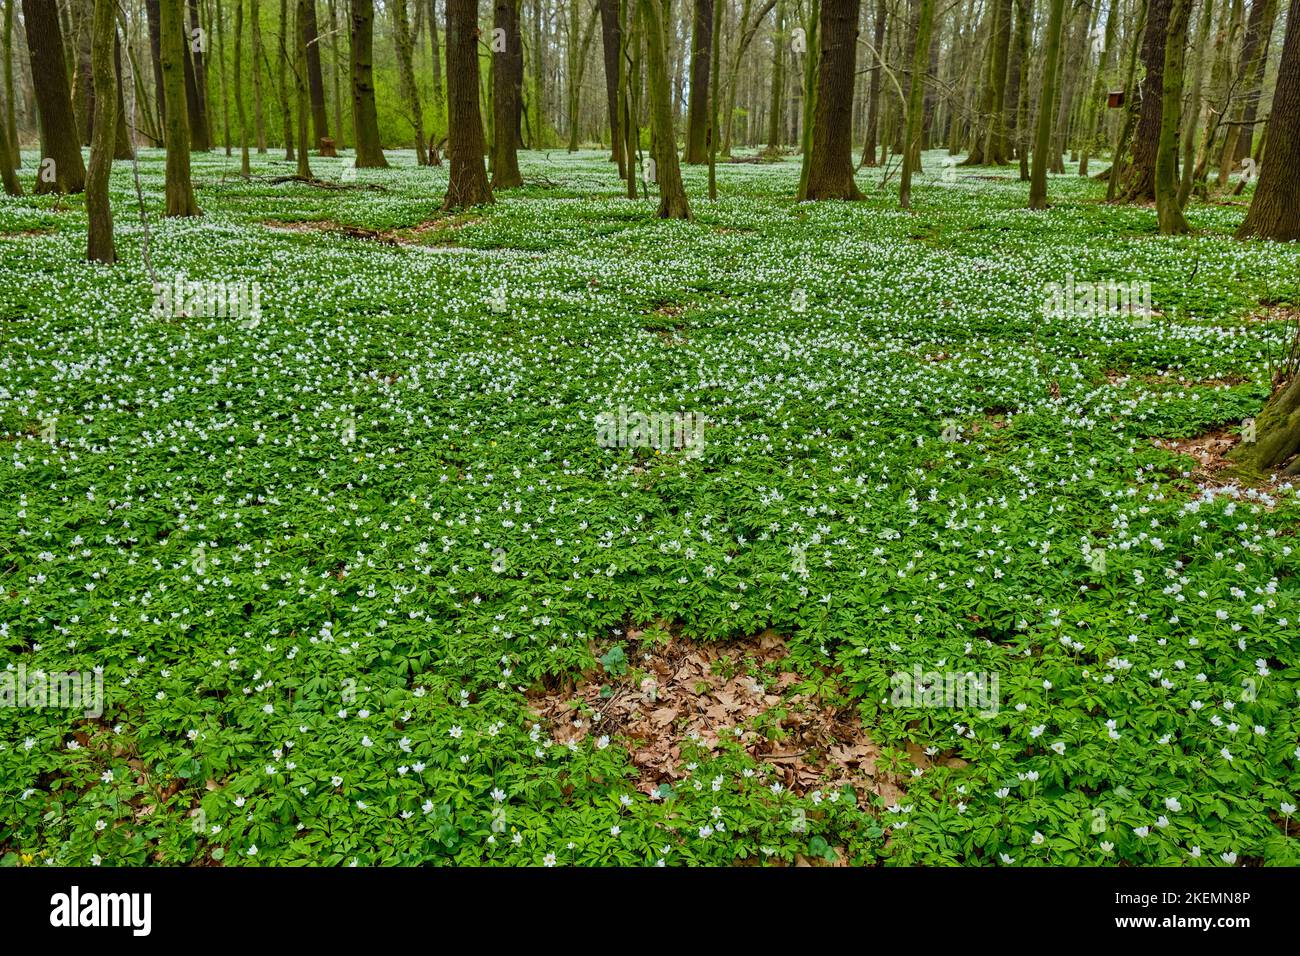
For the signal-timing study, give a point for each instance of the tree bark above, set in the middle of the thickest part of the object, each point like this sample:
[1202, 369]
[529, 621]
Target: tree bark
[172, 45]
[60, 141]
[315, 79]
[1275, 212]
[1254, 54]
[200, 118]
[259, 114]
[405, 43]
[365, 118]
[1046, 103]
[467, 184]
[303, 96]
[282, 62]
[830, 173]
[611, 40]
[697, 111]
[915, 100]
[507, 96]
[672, 193]
[103, 30]
[776, 108]
[1141, 183]
[1168, 209]
[240, 116]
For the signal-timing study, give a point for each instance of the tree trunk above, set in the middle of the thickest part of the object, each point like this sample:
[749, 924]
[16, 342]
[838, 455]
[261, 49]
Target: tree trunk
[1132, 105]
[259, 115]
[1254, 54]
[282, 61]
[507, 95]
[122, 146]
[435, 59]
[697, 111]
[467, 184]
[830, 173]
[60, 142]
[1141, 183]
[876, 53]
[808, 106]
[776, 108]
[240, 116]
[365, 118]
[611, 40]
[1046, 102]
[10, 119]
[103, 31]
[1277, 429]
[200, 119]
[1168, 210]
[81, 17]
[1024, 27]
[172, 46]
[995, 145]
[915, 100]
[1192, 120]
[315, 78]
[1275, 212]
[406, 75]
[668, 174]
[300, 81]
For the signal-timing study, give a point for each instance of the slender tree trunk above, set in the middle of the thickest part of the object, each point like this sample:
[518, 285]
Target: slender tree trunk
[201, 119]
[81, 16]
[830, 174]
[8, 175]
[315, 78]
[1093, 106]
[61, 167]
[1024, 27]
[776, 106]
[245, 169]
[435, 59]
[1191, 121]
[337, 69]
[672, 194]
[1275, 212]
[172, 39]
[507, 95]
[468, 183]
[1254, 54]
[10, 118]
[259, 115]
[715, 64]
[225, 84]
[287, 46]
[995, 145]
[611, 40]
[1132, 106]
[365, 118]
[122, 147]
[1043, 134]
[303, 98]
[103, 30]
[1168, 210]
[915, 100]
[406, 76]
[697, 112]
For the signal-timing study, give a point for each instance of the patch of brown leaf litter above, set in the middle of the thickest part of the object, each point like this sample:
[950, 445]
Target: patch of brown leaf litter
[677, 689]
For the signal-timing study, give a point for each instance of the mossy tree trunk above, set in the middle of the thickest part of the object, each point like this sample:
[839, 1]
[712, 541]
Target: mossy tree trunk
[1168, 209]
[830, 171]
[1046, 103]
[1275, 211]
[507, 95]
[172, 46]
[405, 43]
[915, 100]
[697, 109]
[668, 174]
[103, 34]
[365, 117]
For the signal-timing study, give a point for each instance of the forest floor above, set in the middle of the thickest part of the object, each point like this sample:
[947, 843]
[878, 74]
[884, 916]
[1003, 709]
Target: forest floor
[377, 566]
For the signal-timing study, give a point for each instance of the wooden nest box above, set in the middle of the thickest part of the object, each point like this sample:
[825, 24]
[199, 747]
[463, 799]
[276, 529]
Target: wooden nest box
[1115, 99]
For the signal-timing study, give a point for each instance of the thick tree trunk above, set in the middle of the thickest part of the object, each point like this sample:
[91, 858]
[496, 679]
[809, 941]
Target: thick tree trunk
[1168, 209]
[830, 173]
[507, 95]
[672, 193]
[103, 31]
[467, 184]
[172, 46]
[611, 39]
[1275, 210]
[365, 118]
[1141, 183]
[697, 111]
[406, 76]
[1046, 103]
[60, 142]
